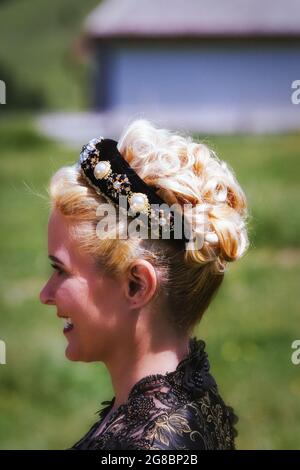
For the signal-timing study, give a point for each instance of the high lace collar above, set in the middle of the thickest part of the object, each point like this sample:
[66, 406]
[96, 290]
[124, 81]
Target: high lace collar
[195, 355]
[191, 373]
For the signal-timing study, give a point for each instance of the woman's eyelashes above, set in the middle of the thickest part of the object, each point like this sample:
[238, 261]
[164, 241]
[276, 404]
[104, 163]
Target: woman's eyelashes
[59, 270]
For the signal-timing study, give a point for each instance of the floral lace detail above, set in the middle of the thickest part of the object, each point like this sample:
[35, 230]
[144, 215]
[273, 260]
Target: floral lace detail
[181, 409]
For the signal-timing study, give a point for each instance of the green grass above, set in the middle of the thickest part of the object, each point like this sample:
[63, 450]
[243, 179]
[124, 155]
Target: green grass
[48, 402]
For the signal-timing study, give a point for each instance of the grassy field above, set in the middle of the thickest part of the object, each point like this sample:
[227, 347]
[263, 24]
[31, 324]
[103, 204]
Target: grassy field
[47, 402]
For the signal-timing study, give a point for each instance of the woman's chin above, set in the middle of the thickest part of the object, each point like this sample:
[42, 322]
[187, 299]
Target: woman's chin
[73, 354]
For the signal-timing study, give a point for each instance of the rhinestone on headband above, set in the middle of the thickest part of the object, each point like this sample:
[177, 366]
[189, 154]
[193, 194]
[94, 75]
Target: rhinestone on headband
[89, 150]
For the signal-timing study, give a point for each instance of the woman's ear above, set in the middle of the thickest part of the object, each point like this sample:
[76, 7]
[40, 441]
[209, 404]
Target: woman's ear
[141, 283]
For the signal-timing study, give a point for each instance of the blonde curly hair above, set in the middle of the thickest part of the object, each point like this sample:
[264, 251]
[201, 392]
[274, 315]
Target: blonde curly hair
[183, 172]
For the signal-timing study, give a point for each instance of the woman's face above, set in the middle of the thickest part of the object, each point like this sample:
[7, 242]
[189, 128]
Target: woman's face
[90, 299]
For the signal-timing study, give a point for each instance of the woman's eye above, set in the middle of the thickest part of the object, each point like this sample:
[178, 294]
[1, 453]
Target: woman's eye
[58, 269]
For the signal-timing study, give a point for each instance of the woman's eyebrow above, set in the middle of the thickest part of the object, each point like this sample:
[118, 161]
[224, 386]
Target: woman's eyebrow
[56, 260]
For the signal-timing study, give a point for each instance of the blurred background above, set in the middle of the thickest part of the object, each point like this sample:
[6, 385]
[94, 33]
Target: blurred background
[222, 70]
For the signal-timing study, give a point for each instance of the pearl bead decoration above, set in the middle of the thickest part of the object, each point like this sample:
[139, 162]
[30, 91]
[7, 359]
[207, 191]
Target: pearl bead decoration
[102, 169]
[138, 202]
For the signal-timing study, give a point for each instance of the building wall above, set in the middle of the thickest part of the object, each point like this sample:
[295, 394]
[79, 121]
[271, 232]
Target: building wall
[217, 74]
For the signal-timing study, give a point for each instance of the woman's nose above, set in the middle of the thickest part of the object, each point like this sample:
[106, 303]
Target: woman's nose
[46, 296]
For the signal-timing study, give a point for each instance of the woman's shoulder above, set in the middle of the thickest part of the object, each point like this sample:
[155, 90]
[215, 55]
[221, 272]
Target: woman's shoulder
[203, 423]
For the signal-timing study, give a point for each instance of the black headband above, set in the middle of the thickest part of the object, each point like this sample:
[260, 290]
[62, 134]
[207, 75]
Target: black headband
[111, 175]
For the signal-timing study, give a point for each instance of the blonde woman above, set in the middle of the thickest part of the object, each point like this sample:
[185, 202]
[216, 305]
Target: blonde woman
[132, 301]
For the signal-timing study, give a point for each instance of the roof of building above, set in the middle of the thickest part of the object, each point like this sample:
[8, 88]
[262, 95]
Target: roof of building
[194, 18]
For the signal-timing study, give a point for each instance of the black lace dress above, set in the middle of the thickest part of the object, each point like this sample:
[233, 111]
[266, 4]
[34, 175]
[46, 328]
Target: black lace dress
[178, 410]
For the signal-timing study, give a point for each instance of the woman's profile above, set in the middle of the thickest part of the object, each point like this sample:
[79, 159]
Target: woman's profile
[132, 301]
